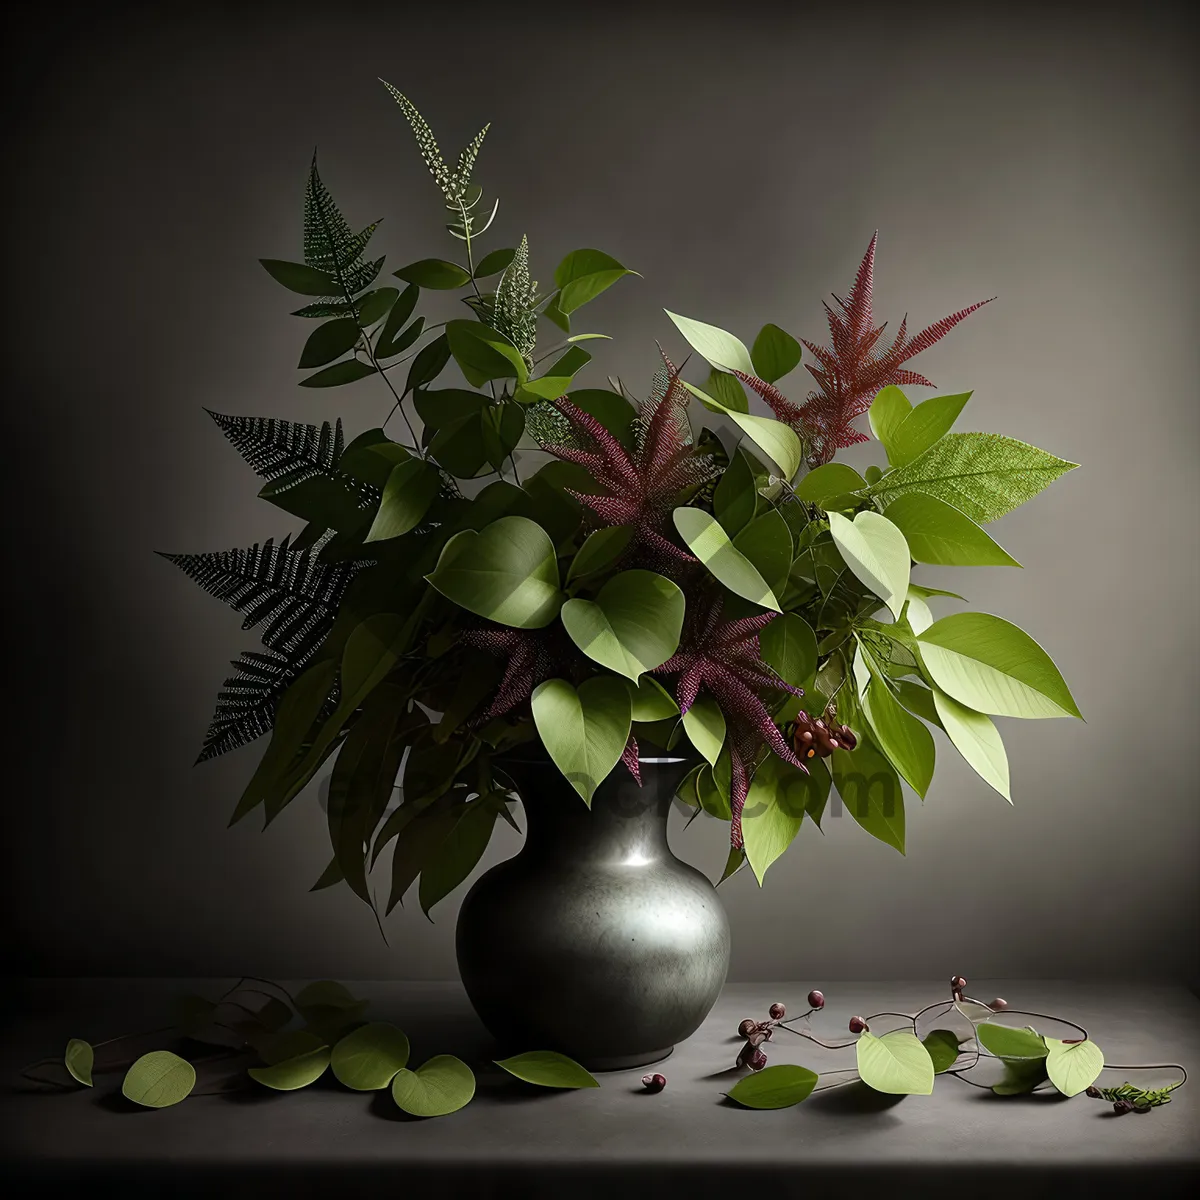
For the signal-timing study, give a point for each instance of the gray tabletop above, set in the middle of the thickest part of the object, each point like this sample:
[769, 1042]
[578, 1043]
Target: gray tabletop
[514, 1138]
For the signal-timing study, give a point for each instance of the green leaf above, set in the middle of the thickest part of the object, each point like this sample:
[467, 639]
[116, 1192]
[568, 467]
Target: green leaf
[832, 479]
[389, 347]
[494, 262]
[584, 731]
[727, 390]
[870, 789]
[443, 408]
[376, 305]
[977, 739]
[437, 1088]
[719, 348]
[458, 854]
[774, 353]
[583, 275]
[780, 1086]
[713, 794]
[938, 533]
[896, 1063]
[633, 624]
[411, 489]
[159, 1079]
[888, 411]
[1007, 1042]
[423, 832]
[1073, 1066]
[779, 796]
[329, 341]
[501, 426]
[905, 740]
[547, 1068]
[293, 1073]
[275, 1048]
[507, 572]
[399, 312]
[483, 354]
[990, 665]
[923, 426]
[789, 645]
[1021, 1077]
[428, 363]
[767, 543]
[943, 1047]
[651, 701]
[735, 498]
[340, 373]
[601, 548]
[552, 312]
[367, 1059]
[79, 1059]
[611, 409]
[777, 440]
[875, 550]
[434, 273]
[983, 475]
[557, 379]
[704, 724]
[590, 337]
[296, 277]
[710, 543]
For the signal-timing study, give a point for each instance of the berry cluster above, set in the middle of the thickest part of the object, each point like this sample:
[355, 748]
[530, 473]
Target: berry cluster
[819, 737]
[757, 1032]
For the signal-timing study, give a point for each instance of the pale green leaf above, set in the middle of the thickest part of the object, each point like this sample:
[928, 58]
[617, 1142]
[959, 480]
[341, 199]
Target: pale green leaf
[977, 739]
[939, 533]
[719, 348]
[557, 378]
[904, 739]
[547, 1068]
[651, 701]
[780, 794]
[875, 550]
[585, 730]
[777, 440]
[79, 1059]
[779, 1086]
[829, 482]
[704, 724]
[437, 1088]
[896, 1063]
[1073, 1066]
[888, 410]
[1009, 1042]
[710, 543]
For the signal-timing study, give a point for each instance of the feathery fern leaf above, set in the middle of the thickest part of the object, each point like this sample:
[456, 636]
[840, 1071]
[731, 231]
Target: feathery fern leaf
[513, 312]
[292, 594]
[331, 246]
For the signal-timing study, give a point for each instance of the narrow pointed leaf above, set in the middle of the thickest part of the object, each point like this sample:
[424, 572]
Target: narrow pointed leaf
[704, 724]
[936, 532]
[977, 739]
[411, 488]
[434, 273]
[780, 1086]
[547, 1068]
[710, 543]
[923, 426]
[777, 440]
[719, 348]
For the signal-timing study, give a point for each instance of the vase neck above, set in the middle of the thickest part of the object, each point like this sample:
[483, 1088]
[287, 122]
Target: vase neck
[626, 824]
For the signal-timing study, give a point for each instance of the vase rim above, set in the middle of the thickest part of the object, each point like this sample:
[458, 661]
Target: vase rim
[540, 757]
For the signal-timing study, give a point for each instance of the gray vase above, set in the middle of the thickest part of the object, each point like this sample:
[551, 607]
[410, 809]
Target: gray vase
[594, 940]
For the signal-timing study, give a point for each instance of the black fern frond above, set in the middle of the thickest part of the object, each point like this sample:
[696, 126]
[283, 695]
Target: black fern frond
[331, 246]
[287, 453]
[292, 594]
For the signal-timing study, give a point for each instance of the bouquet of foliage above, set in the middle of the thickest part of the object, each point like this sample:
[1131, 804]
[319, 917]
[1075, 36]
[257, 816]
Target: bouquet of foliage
[730, 588]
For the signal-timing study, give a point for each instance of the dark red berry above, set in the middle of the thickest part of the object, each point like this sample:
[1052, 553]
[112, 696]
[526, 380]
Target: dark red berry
[654, 1083]
[757, 1061]
[858, 1025]
[816, 999]
[998, 1005]
[958, 983]
[747, 1027]
[777, 1011]
[1121, 1107]
[1095, 1093]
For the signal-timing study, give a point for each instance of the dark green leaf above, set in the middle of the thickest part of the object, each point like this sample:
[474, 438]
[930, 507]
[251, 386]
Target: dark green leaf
[344, 372]
[774, 1087]
[416, 843]
[943, 1046]
[376, 305]
[159, 1079]
[600, 549]
[329, 341]
[296, 277]
[440, 1086]
[368, 1059]
[458, 854]
[389, 347]
[583, 275]
[728, 390]
[443, 407]
[435, 274]
[870, 789]
[789, 645]
[293, 1073]
[501, 427]
[494, 262]
[411, 488]
[557, 378]
[767, 543]
[611, 409]
[483, 354]
[774, 353]
[397, 315]
[735, 498]
[547, 1068]
[79, 1059]
[428, 364]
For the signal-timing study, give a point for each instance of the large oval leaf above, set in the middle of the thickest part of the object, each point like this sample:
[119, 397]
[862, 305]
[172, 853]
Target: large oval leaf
[789, 645]
[293, 1073]
[943, 1046]
[887, 412]
[875, 550]
[328, 341]
[547, 1068]
[633, 624]
[767, 543]
[936, 532]
[507, 572]
[1073, 1066]
[367, 1059]
[825, 482]
[1007, 1042]
[442, 1085]
[779, 796]
[990, 665]
[483, 354]
[774, 1087]
[777, 440]
[411, 488]
[896, 1063]
[704, 724]
[159, 1079]
[583, 275]
[977, 739]
[711, 545]
[584, 731]
[79, 1059]
[434, 273]
[719, 348]
[775, 353]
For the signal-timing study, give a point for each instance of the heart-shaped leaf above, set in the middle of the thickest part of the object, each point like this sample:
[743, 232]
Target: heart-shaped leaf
[633, 624]
[584, 731]
[774, 1087]
[367, 1059]
[651, 701]
[990, 665]
[704, 724]
[293, 1073]
[440, 1086]
[79, 1059]
[547, 1068]
[1073, 1066]
[896, 1063]
[159, 1079]
[875, 550]
[507, 572]
[711, 545]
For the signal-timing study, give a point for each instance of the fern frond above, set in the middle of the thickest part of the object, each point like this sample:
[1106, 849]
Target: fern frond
[292, 594]
[514, 310]
[331, 246]
[466, 160]
[427, 144]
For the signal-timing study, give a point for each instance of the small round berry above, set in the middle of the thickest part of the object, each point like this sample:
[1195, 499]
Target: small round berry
[757, 1060]
[746, 1028]
[1094, 1092]
[1121, 1107]
[958, 983]
[777, 1011]
[858, 1025]
[654, 1083]
[816, 999]
[998, 1005]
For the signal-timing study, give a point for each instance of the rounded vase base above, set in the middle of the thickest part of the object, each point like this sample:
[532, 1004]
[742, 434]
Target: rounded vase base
[627, 1062]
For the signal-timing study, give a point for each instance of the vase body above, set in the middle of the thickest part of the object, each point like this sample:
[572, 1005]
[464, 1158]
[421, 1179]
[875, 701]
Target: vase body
[594, 940]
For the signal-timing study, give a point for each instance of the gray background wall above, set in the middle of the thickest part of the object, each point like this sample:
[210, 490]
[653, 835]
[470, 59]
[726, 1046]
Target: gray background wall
[739, 158]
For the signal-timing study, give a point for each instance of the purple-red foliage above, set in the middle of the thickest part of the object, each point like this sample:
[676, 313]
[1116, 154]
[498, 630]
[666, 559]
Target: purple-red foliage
[723, 658]
[853, 368]
[533, 656]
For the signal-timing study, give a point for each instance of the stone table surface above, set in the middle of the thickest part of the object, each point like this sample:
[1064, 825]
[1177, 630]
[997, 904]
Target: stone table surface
[687, 1140]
